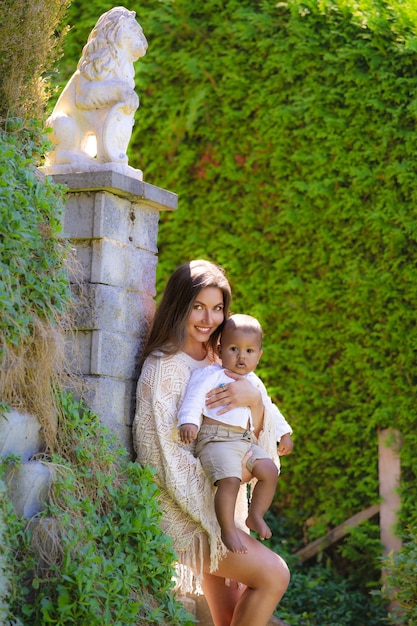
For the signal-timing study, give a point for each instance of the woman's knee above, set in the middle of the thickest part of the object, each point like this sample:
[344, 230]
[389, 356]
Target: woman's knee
[265, 565]
[276, 575]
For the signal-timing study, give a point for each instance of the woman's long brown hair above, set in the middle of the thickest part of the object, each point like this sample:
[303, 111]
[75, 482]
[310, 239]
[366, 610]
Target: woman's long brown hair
[168, 329]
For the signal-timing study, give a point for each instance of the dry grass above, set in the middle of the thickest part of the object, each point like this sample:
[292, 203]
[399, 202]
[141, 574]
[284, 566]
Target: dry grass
[31, 372]
[30, 41]
[46, 540]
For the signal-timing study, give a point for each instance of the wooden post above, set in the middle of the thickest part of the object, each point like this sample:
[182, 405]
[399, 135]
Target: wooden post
[389, 444]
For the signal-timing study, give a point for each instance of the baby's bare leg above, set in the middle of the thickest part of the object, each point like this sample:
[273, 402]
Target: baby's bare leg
[265, 471]
[224, 504]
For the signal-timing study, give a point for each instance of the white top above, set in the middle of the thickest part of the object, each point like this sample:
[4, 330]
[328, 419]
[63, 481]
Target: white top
[205, 379]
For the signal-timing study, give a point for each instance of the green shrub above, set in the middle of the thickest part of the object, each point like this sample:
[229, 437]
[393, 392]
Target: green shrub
[317, 596]
[401, 581]
[11, 531]
[104, 559]
[320, 596]
[34, 280]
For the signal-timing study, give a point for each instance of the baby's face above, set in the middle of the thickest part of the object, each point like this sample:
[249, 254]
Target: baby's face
[240, 350]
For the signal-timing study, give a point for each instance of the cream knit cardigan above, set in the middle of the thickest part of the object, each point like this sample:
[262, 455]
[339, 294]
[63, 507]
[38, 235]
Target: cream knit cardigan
[186, 495]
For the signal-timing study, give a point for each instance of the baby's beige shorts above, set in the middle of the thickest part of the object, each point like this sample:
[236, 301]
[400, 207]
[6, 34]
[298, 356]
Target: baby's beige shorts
[222, 448]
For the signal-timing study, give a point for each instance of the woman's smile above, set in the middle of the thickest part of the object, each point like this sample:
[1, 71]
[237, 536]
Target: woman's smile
[206, 331]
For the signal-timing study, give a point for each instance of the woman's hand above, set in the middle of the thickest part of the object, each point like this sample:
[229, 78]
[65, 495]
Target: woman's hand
[234, 394]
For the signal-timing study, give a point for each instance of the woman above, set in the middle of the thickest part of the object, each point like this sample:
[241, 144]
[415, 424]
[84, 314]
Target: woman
[184, 336]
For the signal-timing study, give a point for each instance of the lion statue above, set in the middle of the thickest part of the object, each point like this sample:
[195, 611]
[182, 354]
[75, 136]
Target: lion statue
[93, 118]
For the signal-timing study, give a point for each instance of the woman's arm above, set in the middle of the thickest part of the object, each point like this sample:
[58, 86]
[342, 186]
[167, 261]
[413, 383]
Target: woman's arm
[156, 439]
[238, 393]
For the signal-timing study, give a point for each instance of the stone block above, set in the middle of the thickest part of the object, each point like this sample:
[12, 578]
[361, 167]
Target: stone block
[108, 264]
[106, 216]
[113, 263]
[122, 265]
[144, 227]
[141, 271]
[79, 215]
[111, 308]
[139, 310]
[100, 307]
[20, 433]
[112, 218]
[102, 353]
[113, 401]
[110, 399]
[114, 354]
[80, 270]
[78, 352]
[28, 487]
[123, 436]
[100, 215]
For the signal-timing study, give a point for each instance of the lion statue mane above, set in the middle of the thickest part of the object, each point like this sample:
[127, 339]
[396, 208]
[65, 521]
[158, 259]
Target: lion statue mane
[93, 118]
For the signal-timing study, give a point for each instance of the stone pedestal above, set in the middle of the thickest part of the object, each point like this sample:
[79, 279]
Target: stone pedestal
[111, 221]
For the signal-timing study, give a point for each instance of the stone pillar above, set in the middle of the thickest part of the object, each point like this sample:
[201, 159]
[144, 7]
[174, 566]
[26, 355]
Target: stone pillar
[111, 221]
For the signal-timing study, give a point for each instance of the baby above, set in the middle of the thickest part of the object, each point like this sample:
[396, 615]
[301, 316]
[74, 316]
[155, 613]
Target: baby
[222, 443]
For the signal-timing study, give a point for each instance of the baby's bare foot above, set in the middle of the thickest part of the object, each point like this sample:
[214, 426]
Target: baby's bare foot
[232, 542]
[258, 524]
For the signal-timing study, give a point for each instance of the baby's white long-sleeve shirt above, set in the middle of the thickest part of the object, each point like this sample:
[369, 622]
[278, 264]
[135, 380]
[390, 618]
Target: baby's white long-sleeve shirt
[203, 380]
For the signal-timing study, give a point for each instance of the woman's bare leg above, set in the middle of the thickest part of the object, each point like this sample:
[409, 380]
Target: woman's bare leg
[221, 598]
[224, 504]
[266, 472]
[265, 577]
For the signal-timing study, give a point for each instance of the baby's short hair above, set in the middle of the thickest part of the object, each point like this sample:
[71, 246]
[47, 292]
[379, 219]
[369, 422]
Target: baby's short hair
[247, 323]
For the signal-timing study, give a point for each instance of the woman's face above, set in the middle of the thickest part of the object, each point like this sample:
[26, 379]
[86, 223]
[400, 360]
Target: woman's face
[206, 315]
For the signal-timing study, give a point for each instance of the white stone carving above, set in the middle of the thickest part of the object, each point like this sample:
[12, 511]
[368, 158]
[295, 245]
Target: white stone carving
[93, 118]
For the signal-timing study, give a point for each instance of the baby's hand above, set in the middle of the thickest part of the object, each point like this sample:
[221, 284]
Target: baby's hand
[286, 445]
[188, 432]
